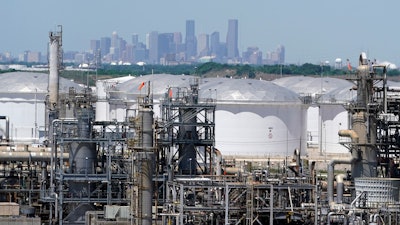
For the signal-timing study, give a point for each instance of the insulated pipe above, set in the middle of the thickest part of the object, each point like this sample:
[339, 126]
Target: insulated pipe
[218, 161]
[339, 188]
[7, 127]
[349, 133]
[331, 169]
[27, 156]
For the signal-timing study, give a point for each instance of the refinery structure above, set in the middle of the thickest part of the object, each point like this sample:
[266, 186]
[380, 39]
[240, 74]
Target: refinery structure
[168, 149]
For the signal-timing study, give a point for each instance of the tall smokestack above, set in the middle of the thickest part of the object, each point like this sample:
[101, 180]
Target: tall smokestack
[54, 66]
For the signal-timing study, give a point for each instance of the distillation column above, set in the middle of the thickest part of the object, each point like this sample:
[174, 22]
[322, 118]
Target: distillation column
[143, 166]
[364, 153]
[54, 68]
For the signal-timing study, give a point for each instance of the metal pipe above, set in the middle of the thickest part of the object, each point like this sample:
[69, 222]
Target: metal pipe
[27, 156]
[7, 127]
[339, 188]
[227, 204]
[331, 169]
[218, 161]
[271, 204]
[349, 133]
[89, 214]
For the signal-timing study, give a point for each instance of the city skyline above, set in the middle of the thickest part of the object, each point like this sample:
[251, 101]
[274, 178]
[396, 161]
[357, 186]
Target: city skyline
[170, 49]
[162, 48]
[311, 31]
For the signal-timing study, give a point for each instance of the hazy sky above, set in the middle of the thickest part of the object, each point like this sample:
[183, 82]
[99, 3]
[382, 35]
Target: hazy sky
[311, 30]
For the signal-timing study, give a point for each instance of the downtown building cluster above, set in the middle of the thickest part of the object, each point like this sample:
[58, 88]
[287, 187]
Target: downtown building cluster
[174, 48]
[165, 49]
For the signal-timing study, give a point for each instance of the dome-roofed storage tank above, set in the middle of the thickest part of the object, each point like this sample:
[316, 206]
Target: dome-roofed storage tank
[326, 114]
[253, 117]
[27, 94]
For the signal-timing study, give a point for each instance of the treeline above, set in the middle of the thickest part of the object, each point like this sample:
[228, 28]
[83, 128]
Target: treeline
[250, 71]
[210, 69]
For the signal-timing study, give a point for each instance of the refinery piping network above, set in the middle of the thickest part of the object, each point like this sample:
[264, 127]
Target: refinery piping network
[166, 170]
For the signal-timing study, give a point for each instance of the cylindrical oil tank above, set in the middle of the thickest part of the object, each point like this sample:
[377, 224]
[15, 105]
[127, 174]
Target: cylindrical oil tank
[256, 117]
[253, 117]
[27, 94]
[326, 114]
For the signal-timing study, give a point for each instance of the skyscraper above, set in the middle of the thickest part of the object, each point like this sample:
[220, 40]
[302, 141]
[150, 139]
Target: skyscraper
[153, 47]
[94, 46]
[218, 49]
[232, 39]
[190, 40]
[135, 39]
[105, 44]
[203, 45]
[281, 54]
[214, 43]
[165, 44]
[115, 44]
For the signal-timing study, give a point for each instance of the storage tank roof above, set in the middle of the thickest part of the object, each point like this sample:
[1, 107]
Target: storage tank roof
[247, 90]
[312, 85]
[224, 88]
[28, 82]
[159, 83]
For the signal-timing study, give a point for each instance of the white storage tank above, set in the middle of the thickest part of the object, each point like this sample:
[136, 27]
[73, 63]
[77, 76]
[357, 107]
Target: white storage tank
[327, 114]
[253, 117]
[257, 118]
[22, 100]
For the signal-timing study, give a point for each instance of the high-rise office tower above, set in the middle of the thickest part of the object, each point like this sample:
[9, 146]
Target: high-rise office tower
[105, 44]
[203, 45]
[115, 46]
[153, 47]
[114, 39]
[179, 47]
[190, 40]
[232, 39]
[281, 54]
[178, 38]
[214, 43]
[94, 46]
[252, 56]
[135, 39]
[165, 44]
[139, 52]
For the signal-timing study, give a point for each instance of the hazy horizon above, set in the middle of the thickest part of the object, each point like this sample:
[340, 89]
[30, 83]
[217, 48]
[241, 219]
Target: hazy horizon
[311, 31]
